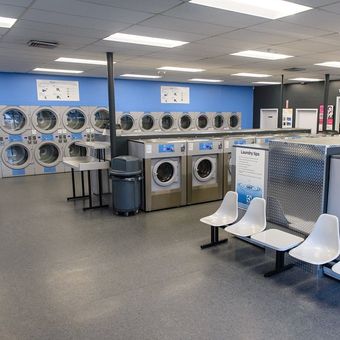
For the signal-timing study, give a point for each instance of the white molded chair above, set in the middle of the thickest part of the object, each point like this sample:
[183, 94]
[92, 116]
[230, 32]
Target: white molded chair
[253, 221]
[323, 243]
[336, 268]
[226, 214]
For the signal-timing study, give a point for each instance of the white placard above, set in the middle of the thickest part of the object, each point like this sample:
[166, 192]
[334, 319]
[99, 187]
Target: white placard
[148, 148]
[175, 95]
[287, 118]
[250, 174]
[58, 90]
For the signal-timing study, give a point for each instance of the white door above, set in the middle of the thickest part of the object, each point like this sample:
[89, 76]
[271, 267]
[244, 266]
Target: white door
[269, 118]
[307, 119]
[337, 114]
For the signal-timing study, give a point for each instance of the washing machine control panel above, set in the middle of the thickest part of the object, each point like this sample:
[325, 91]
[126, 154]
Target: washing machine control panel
[206, 146]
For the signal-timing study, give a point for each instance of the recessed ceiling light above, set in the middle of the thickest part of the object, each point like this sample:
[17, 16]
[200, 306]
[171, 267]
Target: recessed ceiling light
[306, 79]
[270, 9]
[180, 69]
[7, 22]
[82, 61]
[207, 80]
[143, 40]
[262, 55]
[251, 75]
[330, 64]
[53, 70]
[130, 75]
[267, 82]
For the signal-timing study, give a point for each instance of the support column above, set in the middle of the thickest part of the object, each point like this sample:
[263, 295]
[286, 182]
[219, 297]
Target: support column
[325, 103]
[281, 103]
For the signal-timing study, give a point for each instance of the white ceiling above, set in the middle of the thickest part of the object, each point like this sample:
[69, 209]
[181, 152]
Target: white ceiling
[80, 26]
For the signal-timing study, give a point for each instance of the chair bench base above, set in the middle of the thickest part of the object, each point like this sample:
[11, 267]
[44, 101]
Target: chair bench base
[214, 239]
[279, 264]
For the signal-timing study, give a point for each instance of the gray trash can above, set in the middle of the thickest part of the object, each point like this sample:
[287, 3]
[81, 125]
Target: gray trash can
[126, 176]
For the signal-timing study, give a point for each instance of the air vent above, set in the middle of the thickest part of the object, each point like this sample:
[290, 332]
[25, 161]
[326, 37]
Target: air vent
[294, 69]
[43, 44]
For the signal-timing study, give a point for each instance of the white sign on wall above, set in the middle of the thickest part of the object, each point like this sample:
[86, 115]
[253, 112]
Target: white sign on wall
[287, 118]
[175, 95]
[250, 174]
[58, 90]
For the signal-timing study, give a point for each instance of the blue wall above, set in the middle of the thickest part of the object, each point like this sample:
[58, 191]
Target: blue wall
[132, 95]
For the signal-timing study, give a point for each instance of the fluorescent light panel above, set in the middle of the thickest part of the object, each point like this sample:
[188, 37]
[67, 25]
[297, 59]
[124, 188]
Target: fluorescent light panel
[267, 82]
[306, 79]
[53, 70]
[262, 55]
[130, 75]
[270, 9]
[144, 40]
[251, 75]
[7, 22]
[206, 80]
[82, 61]
[335, 64]
[180, 69]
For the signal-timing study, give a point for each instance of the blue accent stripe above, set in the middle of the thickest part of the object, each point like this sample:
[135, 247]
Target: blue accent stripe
[50, 170]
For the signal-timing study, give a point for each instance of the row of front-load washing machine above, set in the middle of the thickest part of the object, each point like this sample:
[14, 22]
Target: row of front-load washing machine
[34, 140]
[179, 172]
[137, 123]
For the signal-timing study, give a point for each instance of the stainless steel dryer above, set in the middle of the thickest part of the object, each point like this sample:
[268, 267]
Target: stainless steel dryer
[219, 121]
[168, 122]
[205, 170]
[229, 159]
[203, 121]
[75, 121]
[234, 120]
[129, 123]
[164, 166]
[186, 121]
[99, 118]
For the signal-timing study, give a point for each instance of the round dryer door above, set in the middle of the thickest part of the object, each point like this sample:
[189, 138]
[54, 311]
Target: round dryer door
[167, 122]
[14, 120]
[147, 122]
[165, 172]
[234, 121]
[16, 156]
[204, 169]
[185, 122]
[100, 119]
[202, 122]
[126, 122]
[74, 150]
[45, 120]
[48, 154]
[75, 120]
[218, 122]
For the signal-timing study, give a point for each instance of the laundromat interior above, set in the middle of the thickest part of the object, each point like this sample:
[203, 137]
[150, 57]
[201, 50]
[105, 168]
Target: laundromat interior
[169, 169]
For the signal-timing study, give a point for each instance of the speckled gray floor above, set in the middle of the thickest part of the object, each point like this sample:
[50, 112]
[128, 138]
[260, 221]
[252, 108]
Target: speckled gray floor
[66, 274]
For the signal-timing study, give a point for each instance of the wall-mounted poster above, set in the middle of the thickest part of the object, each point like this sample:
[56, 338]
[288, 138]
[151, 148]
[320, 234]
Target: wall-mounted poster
[287, 118]
[58, 90]
[175, 95]
[330, 117]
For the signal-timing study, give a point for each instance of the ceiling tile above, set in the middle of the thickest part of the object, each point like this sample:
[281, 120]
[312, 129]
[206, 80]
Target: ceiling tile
[23, 3]
[310, 46]
[11, 11]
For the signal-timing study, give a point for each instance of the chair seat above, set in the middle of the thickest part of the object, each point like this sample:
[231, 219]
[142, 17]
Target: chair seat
[217, 220]
[244, 229]
[336, 268]
[313, 255]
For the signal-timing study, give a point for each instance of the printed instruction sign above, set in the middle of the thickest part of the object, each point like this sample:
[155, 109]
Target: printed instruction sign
[250, 174]
[58, 90]
[287, 118]
[175, 95]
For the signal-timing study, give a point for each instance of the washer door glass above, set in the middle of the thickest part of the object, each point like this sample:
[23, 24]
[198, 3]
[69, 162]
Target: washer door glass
[46, 120]
[202, 121]
[102, 119]
[14, 120]
[167, 122]
[185, 122]
[17, 156]
[218, 121]
[234, 121]
[204, 168]
[48, 154]
[77, 150]
[165, 172]
[147, 122]
[126, 122]
[75, 119]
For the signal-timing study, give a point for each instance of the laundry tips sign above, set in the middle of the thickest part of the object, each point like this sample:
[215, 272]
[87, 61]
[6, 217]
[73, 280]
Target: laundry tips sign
[56, 90]
[175, 95]
[250, 174]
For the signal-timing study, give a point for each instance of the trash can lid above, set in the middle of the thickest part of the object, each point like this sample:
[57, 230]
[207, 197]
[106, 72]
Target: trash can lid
[126, 164]
[124, 173]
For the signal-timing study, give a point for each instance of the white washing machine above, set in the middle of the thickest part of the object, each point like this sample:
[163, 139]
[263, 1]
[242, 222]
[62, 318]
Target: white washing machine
[234, 120]
[203, 121]
[17, 159]
[99, 118]
[168, 122]
[164, 167]
[129, 123]
[219, 121]
[205, 170]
